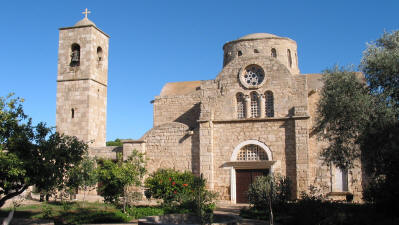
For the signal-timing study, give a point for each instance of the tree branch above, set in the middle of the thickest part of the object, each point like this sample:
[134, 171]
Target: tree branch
[12, 195]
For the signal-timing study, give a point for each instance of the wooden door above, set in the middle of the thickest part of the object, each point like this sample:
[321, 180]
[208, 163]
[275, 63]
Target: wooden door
[243, 179]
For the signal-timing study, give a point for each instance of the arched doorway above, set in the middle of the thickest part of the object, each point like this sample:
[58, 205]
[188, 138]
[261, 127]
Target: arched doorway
[249, 159]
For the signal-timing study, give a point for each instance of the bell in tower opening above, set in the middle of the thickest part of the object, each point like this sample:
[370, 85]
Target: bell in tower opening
[75, 56]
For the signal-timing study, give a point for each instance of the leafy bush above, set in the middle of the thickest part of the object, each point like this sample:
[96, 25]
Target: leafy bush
[169, 185]
[278, 186]
[182, 190]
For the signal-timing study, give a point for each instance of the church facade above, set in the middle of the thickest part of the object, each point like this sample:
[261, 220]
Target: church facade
[254, 118]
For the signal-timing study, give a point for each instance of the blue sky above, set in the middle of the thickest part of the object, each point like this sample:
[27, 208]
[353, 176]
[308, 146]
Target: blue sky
[155, 42]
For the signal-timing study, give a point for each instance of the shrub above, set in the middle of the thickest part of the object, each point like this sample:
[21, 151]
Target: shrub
[169, 185]
[182, 191]
[259, 191]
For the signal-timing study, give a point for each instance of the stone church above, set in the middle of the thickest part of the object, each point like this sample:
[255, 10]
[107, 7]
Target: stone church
[254, 118]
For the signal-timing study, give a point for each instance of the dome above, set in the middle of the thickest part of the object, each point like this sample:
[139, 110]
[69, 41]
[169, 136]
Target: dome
[257, 36]
[84, 22]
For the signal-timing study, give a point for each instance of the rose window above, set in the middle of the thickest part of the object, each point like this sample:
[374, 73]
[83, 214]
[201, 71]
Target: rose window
[252, 76]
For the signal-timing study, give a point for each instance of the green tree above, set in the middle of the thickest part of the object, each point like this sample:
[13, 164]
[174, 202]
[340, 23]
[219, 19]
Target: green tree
[32, 155]
[117, 142]
[83, 176]
[360, 119]
[116, 177]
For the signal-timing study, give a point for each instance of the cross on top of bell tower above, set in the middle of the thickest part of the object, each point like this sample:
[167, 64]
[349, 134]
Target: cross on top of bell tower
[86, 12]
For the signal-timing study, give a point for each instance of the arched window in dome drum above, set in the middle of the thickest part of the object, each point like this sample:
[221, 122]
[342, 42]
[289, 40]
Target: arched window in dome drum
[274, 53]
[240, 106]
[239, 53]
[75, 55]
[289, 57]
[255, 112]
[269, 104]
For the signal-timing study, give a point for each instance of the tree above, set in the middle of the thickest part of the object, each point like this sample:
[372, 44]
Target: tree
[116, 177]
[360, 119]
[117, 142]
[82, 176]
[344, 110]
[32, 155]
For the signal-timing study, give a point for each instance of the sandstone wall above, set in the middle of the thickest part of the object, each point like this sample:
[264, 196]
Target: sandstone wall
[182, 108]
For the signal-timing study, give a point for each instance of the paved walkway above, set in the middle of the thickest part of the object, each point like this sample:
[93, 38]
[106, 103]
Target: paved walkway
[234, 209]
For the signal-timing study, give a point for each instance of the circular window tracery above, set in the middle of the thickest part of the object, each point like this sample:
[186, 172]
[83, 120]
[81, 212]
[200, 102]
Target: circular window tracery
[251, 153]
[252, 76]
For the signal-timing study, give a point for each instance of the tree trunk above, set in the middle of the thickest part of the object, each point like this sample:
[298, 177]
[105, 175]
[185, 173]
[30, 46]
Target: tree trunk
[12, 195]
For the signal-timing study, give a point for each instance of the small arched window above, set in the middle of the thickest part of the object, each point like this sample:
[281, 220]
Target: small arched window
[99, 54]
[73, 113]
[289, 58]
[75, 55]
[239, 53]
[255, 111]
[251, 153]
[274, 53]
[240, 106]
[269, 104]
[256, 50]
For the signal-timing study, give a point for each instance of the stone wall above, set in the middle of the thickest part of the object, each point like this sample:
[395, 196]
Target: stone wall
[182, 108]
[171, 145]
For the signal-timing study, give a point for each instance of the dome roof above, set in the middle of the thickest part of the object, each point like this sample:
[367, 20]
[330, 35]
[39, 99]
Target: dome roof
[257, 36]
[84, 22]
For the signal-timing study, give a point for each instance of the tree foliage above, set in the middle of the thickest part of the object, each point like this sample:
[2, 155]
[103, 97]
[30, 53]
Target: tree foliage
[360, 119]
[116, 177]
[32, 155]
[82, 176]
[344, 110]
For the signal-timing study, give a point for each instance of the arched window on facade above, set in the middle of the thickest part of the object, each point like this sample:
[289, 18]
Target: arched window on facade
[251, 153]
[72, 113]
[255, 111]
[274, 53]
[75, 55]
[99, 54]
[269, 104]
[289, 58]
[239, 53]
[256, 50]
[240, 106]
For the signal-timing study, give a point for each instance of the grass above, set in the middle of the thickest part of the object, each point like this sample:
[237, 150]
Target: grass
[75, 213]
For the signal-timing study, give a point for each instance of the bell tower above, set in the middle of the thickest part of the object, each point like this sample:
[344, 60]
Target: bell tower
[82, 82]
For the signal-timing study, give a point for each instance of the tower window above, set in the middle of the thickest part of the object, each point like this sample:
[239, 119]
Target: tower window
[289, 57]
[99, 54]
[255, 105]
[256, 51]
[73, 113]
[239, 53]
[240, 106]
[75, 55]
[269, 104]
[274, 53]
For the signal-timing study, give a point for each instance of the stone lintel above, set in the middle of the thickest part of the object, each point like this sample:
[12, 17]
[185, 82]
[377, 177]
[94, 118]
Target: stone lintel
[261, 164]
